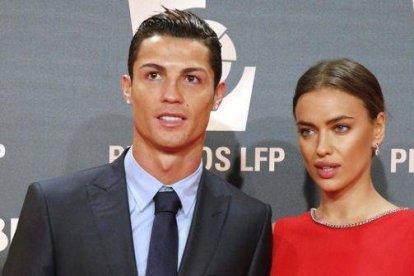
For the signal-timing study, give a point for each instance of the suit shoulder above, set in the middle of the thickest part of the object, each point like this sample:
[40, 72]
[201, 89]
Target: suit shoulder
[239, 198]
[76, 180]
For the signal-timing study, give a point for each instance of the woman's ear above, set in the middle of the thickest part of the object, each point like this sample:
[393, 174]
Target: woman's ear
[379, 129]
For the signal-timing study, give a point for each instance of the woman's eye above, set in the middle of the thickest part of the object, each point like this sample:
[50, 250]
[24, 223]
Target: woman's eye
[305, 132]
[341, 128]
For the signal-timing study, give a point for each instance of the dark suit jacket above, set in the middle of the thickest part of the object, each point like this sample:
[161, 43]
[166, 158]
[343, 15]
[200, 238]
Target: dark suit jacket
[80, 225]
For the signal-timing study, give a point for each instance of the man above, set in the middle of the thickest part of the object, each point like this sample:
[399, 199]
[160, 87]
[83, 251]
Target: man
[101, 221]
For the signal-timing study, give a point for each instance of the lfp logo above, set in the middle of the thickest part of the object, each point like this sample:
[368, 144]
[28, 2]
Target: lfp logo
[234, 109]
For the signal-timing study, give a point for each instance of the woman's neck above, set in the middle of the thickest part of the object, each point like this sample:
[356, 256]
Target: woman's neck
[358, 204]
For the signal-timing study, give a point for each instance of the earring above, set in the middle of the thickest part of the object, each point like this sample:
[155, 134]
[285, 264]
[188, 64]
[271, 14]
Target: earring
[216, 106]
[377, 149]
[128, 101]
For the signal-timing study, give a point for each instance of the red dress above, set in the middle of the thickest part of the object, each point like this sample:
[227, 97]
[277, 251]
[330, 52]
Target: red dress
[384, 246]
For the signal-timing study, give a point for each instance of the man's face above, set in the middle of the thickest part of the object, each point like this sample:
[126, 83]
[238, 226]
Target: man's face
[172, 93]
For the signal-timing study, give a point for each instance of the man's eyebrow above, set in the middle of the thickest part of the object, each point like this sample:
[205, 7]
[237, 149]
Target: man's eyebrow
[152, 65]
[330, 121]
[192, 69]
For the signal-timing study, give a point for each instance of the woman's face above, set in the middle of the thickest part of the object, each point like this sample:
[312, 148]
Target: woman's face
[336, 138]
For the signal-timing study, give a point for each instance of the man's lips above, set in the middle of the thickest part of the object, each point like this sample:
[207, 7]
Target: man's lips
[326, 170]
[171, 119]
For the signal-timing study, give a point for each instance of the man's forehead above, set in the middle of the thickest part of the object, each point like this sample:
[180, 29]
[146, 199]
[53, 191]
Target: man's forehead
[169, 38]
[162, 48]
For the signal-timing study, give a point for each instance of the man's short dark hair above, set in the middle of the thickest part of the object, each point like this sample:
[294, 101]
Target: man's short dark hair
[180, 24]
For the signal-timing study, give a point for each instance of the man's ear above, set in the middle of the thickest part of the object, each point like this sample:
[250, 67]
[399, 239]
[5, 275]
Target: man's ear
[379, 129]
[219, 95]
[126, 84]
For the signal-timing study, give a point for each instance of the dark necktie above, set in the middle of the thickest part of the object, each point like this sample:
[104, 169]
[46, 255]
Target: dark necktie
[163, 249]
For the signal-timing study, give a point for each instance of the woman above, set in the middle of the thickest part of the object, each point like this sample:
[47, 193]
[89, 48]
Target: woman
[340, 115]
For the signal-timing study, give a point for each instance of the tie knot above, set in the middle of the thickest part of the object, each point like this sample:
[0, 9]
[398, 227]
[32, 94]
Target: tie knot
[167, 202]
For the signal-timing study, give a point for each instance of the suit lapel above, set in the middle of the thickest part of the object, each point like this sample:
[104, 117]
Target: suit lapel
[109, 203]
[209, 218]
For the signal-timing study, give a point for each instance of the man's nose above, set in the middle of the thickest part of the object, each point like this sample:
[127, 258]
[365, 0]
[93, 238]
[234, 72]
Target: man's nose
[172, 92]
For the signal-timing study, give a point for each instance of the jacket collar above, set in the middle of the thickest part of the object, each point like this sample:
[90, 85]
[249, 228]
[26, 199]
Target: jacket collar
[108, 200]
[206, 228]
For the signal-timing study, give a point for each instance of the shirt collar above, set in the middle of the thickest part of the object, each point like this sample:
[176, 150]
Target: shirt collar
[144, 186]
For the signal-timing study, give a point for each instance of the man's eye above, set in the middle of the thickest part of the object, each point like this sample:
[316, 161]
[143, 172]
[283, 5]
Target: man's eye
[153, 75]
[192, 79]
